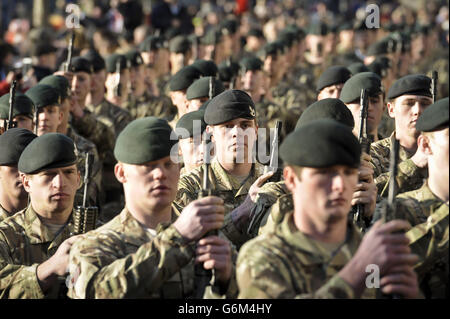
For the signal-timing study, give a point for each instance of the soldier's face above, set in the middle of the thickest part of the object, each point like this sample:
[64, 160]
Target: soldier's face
[438, 150]
[406, 109]
[192, 152]
[49, 118]
[53, 190]
[98, 80]
[195, 104]
[11, 183]
[81, 86]
[150, 186]
[24, 122]
[234, 140]
[324, 194]
[376, 108]
[332, 91]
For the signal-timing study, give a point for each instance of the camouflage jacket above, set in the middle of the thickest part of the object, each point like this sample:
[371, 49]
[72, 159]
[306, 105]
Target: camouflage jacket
[148, 105]
[3, 213]
[113, 116]
[83, 146]
[429, 241]
[122, 259]
[95, 131]
[288, 264]
[224, 186]
[267, 196]
[409, 176]
[25, 242]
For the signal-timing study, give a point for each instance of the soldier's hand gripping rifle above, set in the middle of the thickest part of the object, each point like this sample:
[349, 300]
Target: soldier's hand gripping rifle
[85, 217]
[68, 64]
[273, 164]
[364, 141]
[203, 276]
[434, 80]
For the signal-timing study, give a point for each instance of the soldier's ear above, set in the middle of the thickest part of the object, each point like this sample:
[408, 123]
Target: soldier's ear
[390, 108]
[423, 143]
[289, 178]
[25, 181]
[119, 172]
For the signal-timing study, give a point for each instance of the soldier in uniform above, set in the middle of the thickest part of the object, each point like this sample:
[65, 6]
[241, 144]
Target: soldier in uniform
[179, 84]
[274, 200]
[23, 111]
[351, 96]
[48, 99]
[13, 196]
[408, 97]
[148, 250]
[316, 252]
[117, 79]
[112, 115]
[190, 128]
[198, 92]
[180, 53]
[35, 243]
[233, 173]
[331, 82]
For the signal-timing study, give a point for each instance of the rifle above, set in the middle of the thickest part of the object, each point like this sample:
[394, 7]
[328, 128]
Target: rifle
[388, 209]
[12, 95]
[233, 77]
[273, 166]
[203, 276]
[68, 63]
[195, 48]
[118, 88]
[211, 87]
[364, 141]
[36, 119]
[434, 80]
[85, 218]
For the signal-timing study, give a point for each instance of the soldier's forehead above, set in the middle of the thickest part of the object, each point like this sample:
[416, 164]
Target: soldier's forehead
[414, 97]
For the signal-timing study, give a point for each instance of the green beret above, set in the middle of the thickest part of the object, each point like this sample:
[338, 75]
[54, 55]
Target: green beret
[230, 105]
[328, 108]
[206, 67]
[144, 140]
[357, 67]
[23, 105]
[151, 43]
[113, 60]
[12, 144]
[180, 44]
[384, 46]
[200, 88]
[318, 28]
[58, 82]
[333, 75]
[271, 48]
[346, 26]
[228, 26]
[51, 150]
[43, 95]
[42, 48]
[351, 90]
[97, 61]
[213, 36]
[191, 120]
[184, 78]
[228, 70]
[434, 117]
[251, 63]
[172, 33]
[80, 64]
[287, 37]
[413, 84]
[134, 58]
[255, 33]
[380, 66]
[321, 143]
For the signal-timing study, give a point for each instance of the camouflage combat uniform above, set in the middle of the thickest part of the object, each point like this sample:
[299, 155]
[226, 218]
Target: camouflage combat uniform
[409, 176]
[113, 116]
[288, 264]
[224, 186]
[25, 242]
[95, 131]
[3, 213]
[83, 146]
[148, 105]
[123, 259]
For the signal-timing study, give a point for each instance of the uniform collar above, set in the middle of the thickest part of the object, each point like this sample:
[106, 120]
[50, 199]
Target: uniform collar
[402, 153]
[314, 252]
[38, 233]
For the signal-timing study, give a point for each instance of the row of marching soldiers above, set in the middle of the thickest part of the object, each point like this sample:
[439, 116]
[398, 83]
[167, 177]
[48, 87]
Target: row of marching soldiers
[307, 228]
